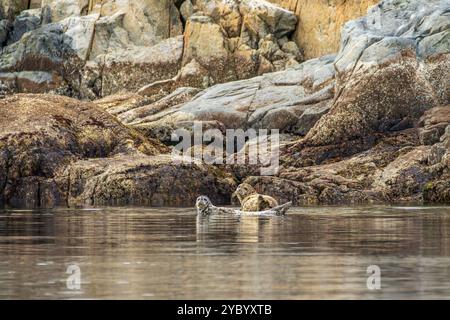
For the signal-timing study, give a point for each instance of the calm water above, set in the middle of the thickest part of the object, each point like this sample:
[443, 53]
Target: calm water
[314, 253]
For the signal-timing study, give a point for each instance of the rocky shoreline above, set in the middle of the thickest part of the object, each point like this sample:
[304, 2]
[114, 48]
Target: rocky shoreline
[369, 124]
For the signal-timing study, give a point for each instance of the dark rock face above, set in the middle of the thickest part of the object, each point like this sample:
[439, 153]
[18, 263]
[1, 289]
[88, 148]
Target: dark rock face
[27, 21]
[438, 188]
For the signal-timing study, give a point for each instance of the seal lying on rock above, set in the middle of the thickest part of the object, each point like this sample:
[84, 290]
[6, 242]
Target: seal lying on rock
[252, 201]
[205, 207]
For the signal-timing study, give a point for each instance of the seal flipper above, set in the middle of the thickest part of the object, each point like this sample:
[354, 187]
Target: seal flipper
[281, 210]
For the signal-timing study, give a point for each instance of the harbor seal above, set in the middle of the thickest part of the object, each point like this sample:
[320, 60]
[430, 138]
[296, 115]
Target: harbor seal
[252, 201]
[206, 208]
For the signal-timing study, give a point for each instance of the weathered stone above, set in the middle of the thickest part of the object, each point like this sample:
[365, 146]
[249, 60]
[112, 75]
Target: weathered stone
[434, 122]
[395, 169]
[59, 151]
[437, 192]
[35, 50]
[136, 67]
[138, 115]
[285, 190]
[41, 134]
[139, 180]
[4, 30]
[242, 41]
[10, 8]
[310, 116]
[146, 22]
[206, 53]
[57, 10]
[58, 50]
[272, 101]
[406, 175]
[135, 44]
[28, 20]
[31, 81]
[122, 102]
[278, 22]
[382, 83]
[79, 33]
[320, 22]
[187, 9]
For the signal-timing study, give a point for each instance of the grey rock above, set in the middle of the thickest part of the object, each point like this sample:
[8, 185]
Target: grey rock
[4, 31]
[37, 50]
[275, 100]
[135, 67]
[28, 20]
[186, 9]
[57, 10]
[382, 74]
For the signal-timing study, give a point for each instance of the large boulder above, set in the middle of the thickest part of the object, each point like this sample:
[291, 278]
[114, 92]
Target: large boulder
[385, 81]
[136, 67]
[395, 169]
[58, 50]
[128, 23]
[245, 38]
[58, 151]
[135, 108]
[146, 22]
[140, 180]
[438, 188]
[43, 52]
[433, 124]
[213, 52]
[26, 21]
[320, 22]
[57, 10]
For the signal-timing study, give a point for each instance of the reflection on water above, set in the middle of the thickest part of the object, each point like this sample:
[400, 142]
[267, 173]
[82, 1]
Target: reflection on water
[316, 253]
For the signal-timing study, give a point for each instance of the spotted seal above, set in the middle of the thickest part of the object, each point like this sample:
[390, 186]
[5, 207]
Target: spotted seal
[206, 208]
[252, 201]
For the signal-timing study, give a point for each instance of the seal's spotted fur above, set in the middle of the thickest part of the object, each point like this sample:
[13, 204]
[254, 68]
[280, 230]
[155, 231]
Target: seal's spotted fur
[205, 208]
[252, 201]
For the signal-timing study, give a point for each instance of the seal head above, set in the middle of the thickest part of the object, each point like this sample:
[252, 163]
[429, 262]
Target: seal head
[252, 201]
[243, 191]
[203, 205]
